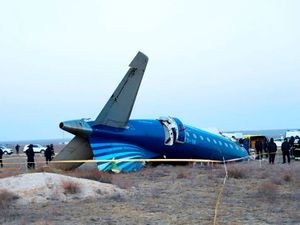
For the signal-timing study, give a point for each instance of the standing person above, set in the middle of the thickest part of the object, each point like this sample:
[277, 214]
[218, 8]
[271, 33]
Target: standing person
[48, 154]
[241, 142]
[17, 148]
[285, 148]
[291, 142]
[246, 144]
[1, 154]
[272, 148]
[297, 150]
[30, 157]
[258, 147]
[52, 151]
[265, 147]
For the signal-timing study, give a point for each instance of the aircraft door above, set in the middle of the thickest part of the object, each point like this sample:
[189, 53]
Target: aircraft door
[181, 131]
[174, 130]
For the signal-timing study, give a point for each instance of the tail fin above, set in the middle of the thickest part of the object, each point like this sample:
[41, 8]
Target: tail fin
[117, 110]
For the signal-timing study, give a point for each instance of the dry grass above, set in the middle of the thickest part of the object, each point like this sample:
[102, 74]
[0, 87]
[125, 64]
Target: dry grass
[122, 181]
[9, 173]
[6, 198]
[255, 193]
[70, 187]
[276, 180]
[237, 171]
[268, 191]
[182, 173]
[281, 176]
[91, 174]
[49, 169]
[287, 175]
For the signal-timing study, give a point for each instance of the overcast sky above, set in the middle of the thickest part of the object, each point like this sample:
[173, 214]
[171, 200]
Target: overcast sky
[234, 65]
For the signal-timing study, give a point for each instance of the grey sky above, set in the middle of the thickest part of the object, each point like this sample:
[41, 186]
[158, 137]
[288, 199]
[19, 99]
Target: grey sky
[228, 64]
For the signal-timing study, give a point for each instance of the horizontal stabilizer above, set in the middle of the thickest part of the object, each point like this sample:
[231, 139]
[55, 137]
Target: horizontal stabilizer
[77, 149]
[117, 110]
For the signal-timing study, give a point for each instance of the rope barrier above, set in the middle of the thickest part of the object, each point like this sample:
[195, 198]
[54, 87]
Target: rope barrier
[120, 160]
[220, 193]
[147, 160]
[135, 160]
[129, 160]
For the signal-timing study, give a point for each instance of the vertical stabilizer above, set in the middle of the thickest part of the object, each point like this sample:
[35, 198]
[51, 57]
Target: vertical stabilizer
[117, 110]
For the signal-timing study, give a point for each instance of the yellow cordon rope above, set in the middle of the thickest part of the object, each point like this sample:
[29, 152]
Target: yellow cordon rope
[117, 161]
[220, 194]
[147, 160]
[128, 160]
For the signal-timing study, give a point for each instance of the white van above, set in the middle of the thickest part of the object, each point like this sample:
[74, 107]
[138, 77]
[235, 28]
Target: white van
[6, 151]
[37, 148]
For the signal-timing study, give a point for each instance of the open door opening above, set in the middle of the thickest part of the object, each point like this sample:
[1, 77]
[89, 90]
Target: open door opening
[173, 129]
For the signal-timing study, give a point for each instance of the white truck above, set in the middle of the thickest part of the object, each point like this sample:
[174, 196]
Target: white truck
[290, 133]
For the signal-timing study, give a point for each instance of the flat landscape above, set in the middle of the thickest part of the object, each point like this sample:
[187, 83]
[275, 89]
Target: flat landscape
[254, 193]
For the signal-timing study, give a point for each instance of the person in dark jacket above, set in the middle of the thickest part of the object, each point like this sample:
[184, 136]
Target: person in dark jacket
[1, 154]
[291, 142]
[272, 148]
[258, 147]
[285, 148]
[52, 151]
[17, 148]
[48, 154]
[30, 157]
[265, 147]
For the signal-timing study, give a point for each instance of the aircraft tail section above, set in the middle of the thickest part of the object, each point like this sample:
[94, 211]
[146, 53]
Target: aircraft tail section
[117, 110]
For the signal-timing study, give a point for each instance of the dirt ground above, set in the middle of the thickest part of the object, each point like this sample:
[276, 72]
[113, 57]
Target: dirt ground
[255, 193]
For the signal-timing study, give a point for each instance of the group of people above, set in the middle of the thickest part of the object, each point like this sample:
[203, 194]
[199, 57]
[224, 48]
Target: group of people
[49, 153]
[270, 148]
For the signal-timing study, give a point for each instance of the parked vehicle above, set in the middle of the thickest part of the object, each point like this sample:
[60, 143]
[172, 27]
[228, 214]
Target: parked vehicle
[252, 139]
[6, 151]
[290, 133]
[278, 142]
[37, 148]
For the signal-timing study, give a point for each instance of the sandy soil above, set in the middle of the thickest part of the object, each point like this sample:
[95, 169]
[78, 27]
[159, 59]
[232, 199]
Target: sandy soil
[36, 188]
[255, 193]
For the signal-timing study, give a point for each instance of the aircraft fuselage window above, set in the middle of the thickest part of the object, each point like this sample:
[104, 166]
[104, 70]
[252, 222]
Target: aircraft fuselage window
[208, 139]
[220, 143]
[215, 141]
[202, 138]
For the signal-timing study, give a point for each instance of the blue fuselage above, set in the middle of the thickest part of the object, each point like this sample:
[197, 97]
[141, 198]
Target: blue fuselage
[150, 136]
